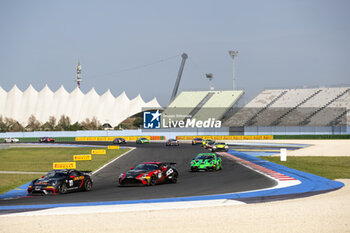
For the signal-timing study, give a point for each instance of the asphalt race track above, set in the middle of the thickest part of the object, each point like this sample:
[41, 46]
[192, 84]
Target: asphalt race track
[233, 178]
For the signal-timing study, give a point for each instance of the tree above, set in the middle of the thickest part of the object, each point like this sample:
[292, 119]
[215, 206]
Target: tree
[33, 124]
[11, 125]
[3, 127]
[92, 124]
[63, 124]
[50, 125]
[137, 122]
[76, 126]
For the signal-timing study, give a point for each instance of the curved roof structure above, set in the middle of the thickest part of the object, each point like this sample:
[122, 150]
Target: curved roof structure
[76, 105]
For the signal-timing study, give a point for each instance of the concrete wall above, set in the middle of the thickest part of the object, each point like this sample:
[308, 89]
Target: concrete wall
[172, 133]
[296, 130]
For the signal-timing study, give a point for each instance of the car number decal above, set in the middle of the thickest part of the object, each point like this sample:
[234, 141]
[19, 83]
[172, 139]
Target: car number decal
[169, 172]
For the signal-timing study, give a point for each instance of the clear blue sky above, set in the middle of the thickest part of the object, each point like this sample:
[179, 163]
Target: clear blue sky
[281, 43]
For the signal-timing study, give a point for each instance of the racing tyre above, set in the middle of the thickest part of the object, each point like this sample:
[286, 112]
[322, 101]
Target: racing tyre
[88, 185]
[63, 188]
[153, 181]
[174, 178]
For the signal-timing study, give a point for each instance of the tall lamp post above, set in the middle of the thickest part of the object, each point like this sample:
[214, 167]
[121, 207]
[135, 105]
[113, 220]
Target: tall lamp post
[209, 76]
[234, 54]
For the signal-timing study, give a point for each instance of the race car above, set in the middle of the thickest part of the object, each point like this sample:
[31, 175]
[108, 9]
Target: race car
[119, 141]
[207, 141]
[206, 161]
[61, 181]
[142, 141]
[219, 146]
[197, 141]
[149, 173]
[46, 139]
[172, 142]
[11, 140]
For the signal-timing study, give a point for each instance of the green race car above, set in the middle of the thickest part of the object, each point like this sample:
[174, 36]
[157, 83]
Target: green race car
[142, 141]
[219, 146]
[206, 161]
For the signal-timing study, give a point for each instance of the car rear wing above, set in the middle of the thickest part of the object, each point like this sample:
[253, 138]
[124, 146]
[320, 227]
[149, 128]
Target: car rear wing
[87, 172]
[170, 163]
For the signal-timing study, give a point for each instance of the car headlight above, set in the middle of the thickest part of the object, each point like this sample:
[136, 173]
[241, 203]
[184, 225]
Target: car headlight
[226, 147]
[121, 175]
[54, 183]
[144, 176]
[214, 147]
[193, 162]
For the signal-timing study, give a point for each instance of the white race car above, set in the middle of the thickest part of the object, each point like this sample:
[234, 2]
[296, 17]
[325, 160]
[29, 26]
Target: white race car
[11, 140]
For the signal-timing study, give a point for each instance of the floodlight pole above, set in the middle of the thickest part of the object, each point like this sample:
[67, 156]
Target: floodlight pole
[234, 54]
[209, 76]
[177, 83]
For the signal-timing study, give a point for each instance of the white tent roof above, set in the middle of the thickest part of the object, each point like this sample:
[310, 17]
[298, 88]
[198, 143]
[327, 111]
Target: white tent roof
[76, 105]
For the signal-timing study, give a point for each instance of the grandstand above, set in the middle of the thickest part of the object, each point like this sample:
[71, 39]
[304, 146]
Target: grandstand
[295, 107]
[202, 105]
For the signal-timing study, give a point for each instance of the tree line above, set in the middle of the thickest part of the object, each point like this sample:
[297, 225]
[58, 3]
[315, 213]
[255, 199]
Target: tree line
[63, 124]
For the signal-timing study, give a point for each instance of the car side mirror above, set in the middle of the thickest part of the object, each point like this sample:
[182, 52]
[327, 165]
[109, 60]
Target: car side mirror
[42, 176]
[71, 177]
[132, 168]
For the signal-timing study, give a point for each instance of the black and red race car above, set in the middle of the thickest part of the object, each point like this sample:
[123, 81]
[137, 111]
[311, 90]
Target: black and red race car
[61, 181]
[46, 139]
[149, 173]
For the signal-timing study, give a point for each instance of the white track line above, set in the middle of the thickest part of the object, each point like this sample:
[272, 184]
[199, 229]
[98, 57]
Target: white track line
[131, 149]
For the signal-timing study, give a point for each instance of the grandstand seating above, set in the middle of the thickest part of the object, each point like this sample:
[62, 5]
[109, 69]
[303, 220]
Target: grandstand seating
[184, 104]
[202, 105]
[294, 107]
[218, 104]
[259, 103]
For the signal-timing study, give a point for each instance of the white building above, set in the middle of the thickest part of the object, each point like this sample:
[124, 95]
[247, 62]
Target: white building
[76, 105]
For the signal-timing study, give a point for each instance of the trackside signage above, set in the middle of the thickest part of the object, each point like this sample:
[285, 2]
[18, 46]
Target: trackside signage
[98, 152]
[81, 157]
[64, 165]
[178, 119]
[227, 137]
[113, 147]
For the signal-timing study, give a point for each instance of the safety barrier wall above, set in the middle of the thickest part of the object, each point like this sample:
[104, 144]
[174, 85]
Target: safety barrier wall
[167, 133]
[127, 138]
[296, 130]
[172, 133]
[230, 137]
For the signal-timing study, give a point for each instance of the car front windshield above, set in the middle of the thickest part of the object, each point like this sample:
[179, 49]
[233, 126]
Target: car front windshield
[205, 157]
[220, 143]
[146, 167]
[56, 174]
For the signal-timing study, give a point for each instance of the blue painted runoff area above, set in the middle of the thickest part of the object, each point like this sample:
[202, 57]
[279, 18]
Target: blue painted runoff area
[17, 192]
[309, 184]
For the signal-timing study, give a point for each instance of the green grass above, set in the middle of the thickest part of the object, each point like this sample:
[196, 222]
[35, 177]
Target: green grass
[41, 160]
[12, 181]
[329, 167]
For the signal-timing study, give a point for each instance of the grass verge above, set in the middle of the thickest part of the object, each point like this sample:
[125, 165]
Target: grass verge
[41, 160]
[328, 167]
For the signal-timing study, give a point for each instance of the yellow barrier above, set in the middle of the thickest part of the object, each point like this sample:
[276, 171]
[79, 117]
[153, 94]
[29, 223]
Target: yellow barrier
[113, 147]
[228, 137]
[64, 165]
[98, 152]
[110, 139]
[81, 157]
